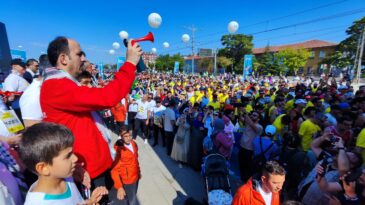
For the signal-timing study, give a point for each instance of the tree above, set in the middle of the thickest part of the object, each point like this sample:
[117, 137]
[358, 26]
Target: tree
[236, 46]
[164, 62]
[206, 63]
[292, 59]
[346, 50]
[267, 63]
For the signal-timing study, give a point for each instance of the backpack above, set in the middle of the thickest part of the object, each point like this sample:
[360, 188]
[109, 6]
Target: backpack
[260, 160]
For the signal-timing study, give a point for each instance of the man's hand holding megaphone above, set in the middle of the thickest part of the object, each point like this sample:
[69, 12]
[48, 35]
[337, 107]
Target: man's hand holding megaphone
[134, 52]
[131, 43]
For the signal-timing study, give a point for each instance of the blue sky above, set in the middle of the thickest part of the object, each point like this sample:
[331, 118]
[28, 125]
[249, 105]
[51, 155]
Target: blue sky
[96, 24]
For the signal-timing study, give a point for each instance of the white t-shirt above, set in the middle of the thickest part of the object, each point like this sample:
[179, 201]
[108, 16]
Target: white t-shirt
[15, 83]
[130, 147]
[132, 107]
[168, 115]
[266, 196]
[71, 196]
[152, 104]
[143, 108]
[30, 102]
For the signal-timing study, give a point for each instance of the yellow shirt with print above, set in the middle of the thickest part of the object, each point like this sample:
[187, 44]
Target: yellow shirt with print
[306, 131]
[360, 142]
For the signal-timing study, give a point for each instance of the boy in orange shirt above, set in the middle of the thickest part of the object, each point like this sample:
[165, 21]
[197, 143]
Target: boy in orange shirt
[125, 170]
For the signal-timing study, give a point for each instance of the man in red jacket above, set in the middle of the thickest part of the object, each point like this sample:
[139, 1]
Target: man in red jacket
[64, 102]
[263, 190]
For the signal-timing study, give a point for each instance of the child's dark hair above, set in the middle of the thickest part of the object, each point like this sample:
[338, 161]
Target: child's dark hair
[122, 130]
[42, 142]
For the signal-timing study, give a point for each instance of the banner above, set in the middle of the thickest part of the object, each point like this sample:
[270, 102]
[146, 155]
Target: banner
[176, 67]
[5, 56]
[101, 70]
[247, 65]
[120, 62]
[11, 121]
[18, 54]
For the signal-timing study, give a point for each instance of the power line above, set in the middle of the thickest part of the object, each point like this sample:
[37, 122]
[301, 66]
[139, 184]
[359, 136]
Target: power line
[347, 13]
[282, 17]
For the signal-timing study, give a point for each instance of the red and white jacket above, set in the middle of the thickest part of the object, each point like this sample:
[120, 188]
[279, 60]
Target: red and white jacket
[64, 102]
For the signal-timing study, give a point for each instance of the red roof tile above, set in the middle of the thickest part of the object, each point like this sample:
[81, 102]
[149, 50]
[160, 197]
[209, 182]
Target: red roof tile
[306, 44]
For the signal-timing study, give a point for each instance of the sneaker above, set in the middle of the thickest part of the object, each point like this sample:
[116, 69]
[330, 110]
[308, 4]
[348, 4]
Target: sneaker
[145, 141]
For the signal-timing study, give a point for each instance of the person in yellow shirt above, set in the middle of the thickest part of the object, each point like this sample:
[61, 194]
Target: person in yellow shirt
[360, 144]
[281, 124]
[215, 103]
[310, 128]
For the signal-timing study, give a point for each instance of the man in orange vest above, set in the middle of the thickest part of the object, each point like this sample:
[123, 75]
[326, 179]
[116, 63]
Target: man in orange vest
[262, 190]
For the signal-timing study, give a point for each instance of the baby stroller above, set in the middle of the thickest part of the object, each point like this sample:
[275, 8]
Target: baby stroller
[216, 172]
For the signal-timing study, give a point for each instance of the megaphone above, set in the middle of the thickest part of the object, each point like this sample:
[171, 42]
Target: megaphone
[149, 37]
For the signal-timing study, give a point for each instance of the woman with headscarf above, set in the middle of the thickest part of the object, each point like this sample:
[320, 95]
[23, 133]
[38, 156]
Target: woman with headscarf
[223, 142]
[180, 147]
[198, 132]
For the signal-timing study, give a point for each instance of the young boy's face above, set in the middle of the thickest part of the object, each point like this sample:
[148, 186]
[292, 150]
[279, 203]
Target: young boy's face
[127, 137]
[86, 82]
[64, 164]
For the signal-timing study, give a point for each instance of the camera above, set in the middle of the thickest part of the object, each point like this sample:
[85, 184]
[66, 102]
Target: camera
[327, 161]
[334, 139]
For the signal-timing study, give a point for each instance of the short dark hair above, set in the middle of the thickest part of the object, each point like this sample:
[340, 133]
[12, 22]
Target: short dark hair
[56, 47]
[42, 142]
[31, 61]
[274, 168]
[84, 74]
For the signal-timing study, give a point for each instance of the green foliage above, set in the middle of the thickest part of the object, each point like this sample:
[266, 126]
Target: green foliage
[224, 61]
[346, 50]
[267, 63]
[206, 64]
[167, 62]
[292, 59]
[236, 46]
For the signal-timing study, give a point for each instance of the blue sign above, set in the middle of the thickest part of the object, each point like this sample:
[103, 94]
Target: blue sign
[101, 70]
[176, 67]
[18, 54]
[247, 65]
[120, 62]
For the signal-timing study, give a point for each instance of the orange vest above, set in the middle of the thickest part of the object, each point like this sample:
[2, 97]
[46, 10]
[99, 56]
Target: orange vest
[125, 169]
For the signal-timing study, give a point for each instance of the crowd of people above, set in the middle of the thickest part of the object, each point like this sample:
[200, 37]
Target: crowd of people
[296, 141]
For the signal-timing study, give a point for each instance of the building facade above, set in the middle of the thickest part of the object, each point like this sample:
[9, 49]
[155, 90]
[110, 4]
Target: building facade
[319, 50]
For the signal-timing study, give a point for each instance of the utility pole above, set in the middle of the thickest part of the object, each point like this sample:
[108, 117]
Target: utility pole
[360, 56]
[215, 62]
[193, 29]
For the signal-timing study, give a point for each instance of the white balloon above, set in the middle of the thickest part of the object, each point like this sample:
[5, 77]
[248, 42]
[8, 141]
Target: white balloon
[154, 50]
[233, 26]
[123, 35]
[166, 45]
[111, 52]
[154, 20]
[185, 38]
[116, 45]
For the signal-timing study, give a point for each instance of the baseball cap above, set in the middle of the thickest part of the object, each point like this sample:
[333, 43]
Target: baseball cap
[300, 101]
[344, 105]
[18, 61]
[270, 130]
[342, 87]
